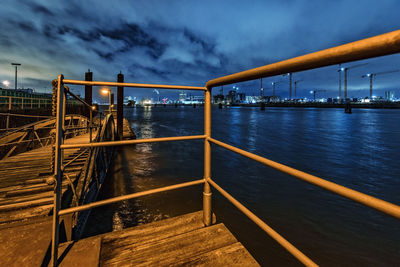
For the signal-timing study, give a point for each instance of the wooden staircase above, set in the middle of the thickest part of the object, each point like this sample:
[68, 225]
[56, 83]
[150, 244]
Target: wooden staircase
[177, 241]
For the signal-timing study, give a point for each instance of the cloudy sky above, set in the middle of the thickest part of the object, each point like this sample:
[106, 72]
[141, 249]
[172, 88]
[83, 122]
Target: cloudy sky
[190, 42]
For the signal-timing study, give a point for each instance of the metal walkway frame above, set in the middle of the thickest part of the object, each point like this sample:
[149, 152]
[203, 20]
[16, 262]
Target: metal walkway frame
[380, 45]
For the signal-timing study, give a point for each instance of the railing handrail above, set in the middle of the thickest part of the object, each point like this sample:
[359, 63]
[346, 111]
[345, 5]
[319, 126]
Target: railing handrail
[137, 85]
[381, 45]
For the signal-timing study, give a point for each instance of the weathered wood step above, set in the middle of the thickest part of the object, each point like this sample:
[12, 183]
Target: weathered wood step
[153, 231]
[235, 255]
[25, 214]
[82, 253]
[25, 245]
[180, 248]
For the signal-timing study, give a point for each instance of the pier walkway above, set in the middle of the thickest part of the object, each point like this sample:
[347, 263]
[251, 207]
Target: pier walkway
[24, 192]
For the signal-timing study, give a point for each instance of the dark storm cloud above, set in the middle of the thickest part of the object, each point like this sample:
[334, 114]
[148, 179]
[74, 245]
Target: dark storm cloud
[186, 42]
[40, 9]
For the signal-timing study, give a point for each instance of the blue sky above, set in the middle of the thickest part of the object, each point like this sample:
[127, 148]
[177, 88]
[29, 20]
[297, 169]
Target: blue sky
[190, 42]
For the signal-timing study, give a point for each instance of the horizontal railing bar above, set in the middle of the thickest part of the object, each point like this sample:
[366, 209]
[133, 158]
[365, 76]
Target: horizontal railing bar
[136, 141]
[138, 85]
[381, 45]
[370, 201]
[271, 232]
[129, 196]
[28, 116]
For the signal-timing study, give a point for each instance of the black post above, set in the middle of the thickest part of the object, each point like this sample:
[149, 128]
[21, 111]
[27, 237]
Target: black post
[120, 106]
[88, 91]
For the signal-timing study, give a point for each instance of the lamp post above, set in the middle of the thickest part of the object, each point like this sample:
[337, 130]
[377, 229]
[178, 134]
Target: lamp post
[106, 91]
[6, 83]
[16, 70]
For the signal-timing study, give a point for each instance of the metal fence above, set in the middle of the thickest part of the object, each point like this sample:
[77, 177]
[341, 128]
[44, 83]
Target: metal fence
[372, 47]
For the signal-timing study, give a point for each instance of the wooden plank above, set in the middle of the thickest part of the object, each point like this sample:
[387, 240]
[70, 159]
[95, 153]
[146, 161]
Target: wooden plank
[153, 231]
[85, 252]
[232, 255]
[25, 215]
[165, 252]
[25, 245]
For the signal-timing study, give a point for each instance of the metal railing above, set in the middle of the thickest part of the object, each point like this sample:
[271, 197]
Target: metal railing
[372, 47]
[36, 134]
[22, 102]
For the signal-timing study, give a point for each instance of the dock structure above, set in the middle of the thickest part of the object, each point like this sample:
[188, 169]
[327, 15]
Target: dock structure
[24, 189]
[176, 241]
[192, 239]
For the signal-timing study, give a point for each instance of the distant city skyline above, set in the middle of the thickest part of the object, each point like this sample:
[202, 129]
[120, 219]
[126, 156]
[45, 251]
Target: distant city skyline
[191, 42]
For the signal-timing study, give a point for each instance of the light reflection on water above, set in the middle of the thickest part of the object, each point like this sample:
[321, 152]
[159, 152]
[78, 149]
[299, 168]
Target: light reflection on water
[358, 150]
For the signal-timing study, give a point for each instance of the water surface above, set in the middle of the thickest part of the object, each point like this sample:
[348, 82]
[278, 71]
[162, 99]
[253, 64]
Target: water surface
[358, 150]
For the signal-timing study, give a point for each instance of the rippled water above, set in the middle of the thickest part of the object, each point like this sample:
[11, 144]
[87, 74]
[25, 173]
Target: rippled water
[359, 150]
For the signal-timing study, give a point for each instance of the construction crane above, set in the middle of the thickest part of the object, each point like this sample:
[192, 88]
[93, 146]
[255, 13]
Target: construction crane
[316, 91]
[295, 87]
[340, 81]
[346, 70]
[372, 76]
[273, 87]
[290, 84]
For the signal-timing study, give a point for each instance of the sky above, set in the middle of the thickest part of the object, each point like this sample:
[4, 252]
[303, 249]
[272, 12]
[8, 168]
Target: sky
[191, 42]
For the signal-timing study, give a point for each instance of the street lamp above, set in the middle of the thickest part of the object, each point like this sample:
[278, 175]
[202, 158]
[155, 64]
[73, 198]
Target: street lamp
[106, 91]
[6, 83]
[16, 70]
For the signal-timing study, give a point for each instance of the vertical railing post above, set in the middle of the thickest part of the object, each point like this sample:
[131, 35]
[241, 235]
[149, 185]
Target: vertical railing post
[57, 170]
[207, 210]
[91, 124]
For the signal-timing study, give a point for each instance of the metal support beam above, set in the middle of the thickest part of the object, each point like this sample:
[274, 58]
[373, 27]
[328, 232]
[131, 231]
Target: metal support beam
[207, 207]
[58, 169]
[88, 89]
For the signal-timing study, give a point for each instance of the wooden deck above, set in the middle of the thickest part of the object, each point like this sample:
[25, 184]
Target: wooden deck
[177, 241]
[24, 193]
[25, 229]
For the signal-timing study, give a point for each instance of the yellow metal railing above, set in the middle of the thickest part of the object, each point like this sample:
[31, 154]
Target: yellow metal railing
[372, 47]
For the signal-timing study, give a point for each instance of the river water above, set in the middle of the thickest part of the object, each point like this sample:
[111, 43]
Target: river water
[359, 150]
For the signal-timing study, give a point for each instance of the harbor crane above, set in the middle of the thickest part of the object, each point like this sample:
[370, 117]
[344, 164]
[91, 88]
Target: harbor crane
[273, 87]
[346, 70]
[317, 91]
[290, 84]
[295, 87]
[372, 76]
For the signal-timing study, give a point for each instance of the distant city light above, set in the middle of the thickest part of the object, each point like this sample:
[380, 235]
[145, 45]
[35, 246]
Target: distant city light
[341, 69]
[369, 74]
[311, 92]
[6, 83]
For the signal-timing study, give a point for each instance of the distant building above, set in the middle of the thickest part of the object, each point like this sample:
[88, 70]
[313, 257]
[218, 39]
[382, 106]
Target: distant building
[219, 99]
[389, 95]
[233, 97]
[182, 96]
